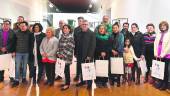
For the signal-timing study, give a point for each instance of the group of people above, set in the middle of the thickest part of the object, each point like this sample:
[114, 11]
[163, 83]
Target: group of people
[40, 51]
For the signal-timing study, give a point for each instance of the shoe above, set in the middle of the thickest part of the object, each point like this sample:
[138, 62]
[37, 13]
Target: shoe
[163, 87]
[80, 84]
[76, 79]
[104, 85]
[15, 84]
[46, 83]
[118, 84]
[24, 81]
[58, 78]
[65, 87]
[11, 79]
[158, 84]
[51, 84]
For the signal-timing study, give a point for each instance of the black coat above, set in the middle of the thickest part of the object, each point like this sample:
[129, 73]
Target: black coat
[10, 42]
[85, 45]
[103, 46]
[137, 42]
[39, 39]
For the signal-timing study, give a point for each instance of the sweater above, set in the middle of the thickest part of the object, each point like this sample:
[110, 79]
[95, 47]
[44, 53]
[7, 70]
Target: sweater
[165, 52]
[66, 47]
[129, 56]
[49, 47]
[23, 41]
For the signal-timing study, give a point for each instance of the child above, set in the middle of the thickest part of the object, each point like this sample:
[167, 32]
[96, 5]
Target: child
[129, 57]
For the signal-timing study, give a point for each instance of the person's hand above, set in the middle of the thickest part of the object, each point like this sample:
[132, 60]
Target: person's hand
[44, 54]
[3, 49]
[61, 56]
[142, 57]
[114, 52]
[103, 54]
[13, 54]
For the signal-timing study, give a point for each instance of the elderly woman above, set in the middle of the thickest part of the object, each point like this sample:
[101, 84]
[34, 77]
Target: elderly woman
[48, 49]
[162, 52]
[65, 52]
[102, 51]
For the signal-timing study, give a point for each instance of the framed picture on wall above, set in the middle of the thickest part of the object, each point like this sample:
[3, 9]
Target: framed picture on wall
[120, 21]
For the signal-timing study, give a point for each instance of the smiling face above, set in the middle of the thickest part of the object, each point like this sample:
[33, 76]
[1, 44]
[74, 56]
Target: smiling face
[66, 30]
[49, 32]
[6, 26]
[115, 28]
[102, 30]
[150, 29]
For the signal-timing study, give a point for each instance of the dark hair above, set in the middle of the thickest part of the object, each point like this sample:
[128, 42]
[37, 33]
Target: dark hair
[7, 21]
[150, 24]
[26, 23]
[39, 25]
[80, 18]
[135, 24]
[129, 42]
[164, 23]
[115, 24]
[126, 23]
[69, 27]
[21, 17]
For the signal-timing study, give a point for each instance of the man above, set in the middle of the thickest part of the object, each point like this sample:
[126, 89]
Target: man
[58, 32]
[76, 31]
[23, 45]
[16, 25]
[85, 47]
[125, 30]
[107, 24]
[6, 43]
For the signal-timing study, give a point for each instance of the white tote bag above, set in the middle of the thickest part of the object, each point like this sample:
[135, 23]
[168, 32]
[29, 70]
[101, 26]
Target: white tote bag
[88, 71]
[142, 65]
[5, 61]
[158, 69]
[12, 68]
[117, 65]
[102, 68]
[60, 67]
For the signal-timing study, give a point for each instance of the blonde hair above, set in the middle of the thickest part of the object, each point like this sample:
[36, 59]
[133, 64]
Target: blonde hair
[52, 30]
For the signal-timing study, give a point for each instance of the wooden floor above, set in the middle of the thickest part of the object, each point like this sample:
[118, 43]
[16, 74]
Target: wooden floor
[42, 90]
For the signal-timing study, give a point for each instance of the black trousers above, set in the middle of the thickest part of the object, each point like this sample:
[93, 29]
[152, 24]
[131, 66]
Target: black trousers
[135, 68]
[67, 74]
[1, 75]
[78, 68]
[40, 70]
[166, 72]
[50, 72]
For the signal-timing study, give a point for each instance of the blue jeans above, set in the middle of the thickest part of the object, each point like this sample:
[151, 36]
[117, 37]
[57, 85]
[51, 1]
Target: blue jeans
[21, 62]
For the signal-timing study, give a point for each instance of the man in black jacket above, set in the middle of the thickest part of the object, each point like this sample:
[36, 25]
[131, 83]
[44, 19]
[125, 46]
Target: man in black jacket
[85, 47]
[6, 42]
[137, 41]
[76, 31]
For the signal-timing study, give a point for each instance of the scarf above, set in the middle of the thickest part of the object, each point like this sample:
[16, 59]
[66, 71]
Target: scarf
[102, 36]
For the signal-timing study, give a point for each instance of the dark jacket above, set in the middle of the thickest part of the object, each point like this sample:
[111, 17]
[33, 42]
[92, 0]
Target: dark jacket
[23, 41]
[103, 46]
[137, 42]
[117, 41]
[85, 45]
[10, 42]
[125, 33]
[39, 39]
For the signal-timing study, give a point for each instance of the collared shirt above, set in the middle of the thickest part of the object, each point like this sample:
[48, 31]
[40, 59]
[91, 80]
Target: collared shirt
[5, 38]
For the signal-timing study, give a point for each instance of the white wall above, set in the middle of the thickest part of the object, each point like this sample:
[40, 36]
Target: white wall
[142, 11]
[30, 9]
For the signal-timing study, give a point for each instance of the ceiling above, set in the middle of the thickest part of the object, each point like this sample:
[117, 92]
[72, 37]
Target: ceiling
[72, 6]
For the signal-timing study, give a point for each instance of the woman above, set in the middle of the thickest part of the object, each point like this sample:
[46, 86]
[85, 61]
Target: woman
[162, 52]
[48, 49]
[35, 53]
[149, 38]
[102, 51]
[117, 40]
[65, 52]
